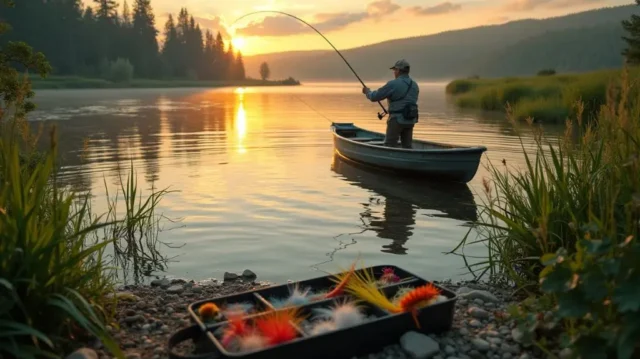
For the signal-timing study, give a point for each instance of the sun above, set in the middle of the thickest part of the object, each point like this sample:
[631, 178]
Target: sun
[239, 43]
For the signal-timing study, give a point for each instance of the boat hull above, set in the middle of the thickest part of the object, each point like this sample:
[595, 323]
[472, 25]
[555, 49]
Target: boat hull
[455, 163]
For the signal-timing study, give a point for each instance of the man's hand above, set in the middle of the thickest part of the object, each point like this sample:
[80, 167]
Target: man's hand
[365, 90]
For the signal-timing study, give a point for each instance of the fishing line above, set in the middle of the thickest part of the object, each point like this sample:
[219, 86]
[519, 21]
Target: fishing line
[316, 111]
[380, 115]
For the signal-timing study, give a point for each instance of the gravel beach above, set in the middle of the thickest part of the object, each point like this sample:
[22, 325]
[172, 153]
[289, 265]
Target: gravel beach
[148, 315]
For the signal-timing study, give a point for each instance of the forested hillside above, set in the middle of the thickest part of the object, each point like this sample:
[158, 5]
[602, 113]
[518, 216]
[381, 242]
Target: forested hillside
[88, 41]
[583, 41]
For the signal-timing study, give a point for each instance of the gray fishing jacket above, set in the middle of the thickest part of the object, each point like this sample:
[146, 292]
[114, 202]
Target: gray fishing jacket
[393, 91]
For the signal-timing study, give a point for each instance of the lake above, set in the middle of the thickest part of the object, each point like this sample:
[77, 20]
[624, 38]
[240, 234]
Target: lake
[256, 182]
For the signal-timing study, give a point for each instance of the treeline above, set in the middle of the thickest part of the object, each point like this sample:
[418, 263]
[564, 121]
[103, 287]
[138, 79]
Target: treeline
[111, 41]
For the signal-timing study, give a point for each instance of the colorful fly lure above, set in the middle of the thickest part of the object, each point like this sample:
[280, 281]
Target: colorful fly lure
[364, 287]
[273, 328]
[388, 276]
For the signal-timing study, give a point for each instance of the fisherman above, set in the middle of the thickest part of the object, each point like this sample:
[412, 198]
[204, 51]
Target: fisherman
[402, 97]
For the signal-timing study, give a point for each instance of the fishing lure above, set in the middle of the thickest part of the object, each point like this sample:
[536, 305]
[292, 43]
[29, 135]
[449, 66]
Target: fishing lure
[364, 287]
[279, 326]
[343, 315]
[209, 311]
[341, 279]
[252, 341]
[296, 298]
[388, 276]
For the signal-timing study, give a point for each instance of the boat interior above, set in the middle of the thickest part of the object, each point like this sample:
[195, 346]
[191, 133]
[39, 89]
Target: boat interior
[377, 139]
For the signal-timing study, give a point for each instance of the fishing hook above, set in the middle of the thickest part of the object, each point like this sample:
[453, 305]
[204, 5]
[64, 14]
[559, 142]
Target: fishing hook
[380, 114]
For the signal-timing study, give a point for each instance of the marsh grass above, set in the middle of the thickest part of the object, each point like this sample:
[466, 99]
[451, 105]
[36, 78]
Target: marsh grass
[543, 98]
[55, 274]
[591, 175]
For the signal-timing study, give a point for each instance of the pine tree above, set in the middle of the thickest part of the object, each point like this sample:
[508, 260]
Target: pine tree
[208, 56]
[219, 55]
[107, 9]
[239, 68]
[126, 15]
[229, 63]
[145, 43]
[632, 26]
[172, 49]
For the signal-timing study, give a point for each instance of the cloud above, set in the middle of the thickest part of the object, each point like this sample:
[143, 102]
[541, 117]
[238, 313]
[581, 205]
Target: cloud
[526, 5]
[213, 24]
[324, 22]
[499, 19]
[442, 8]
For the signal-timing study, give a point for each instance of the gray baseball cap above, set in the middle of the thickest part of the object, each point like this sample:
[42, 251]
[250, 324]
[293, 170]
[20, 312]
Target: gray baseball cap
[400, 65]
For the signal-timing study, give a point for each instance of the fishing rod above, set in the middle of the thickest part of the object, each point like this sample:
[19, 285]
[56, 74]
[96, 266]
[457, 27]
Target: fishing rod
[380, 114]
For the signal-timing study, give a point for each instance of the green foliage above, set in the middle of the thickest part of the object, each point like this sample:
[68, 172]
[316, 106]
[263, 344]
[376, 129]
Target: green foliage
[547, 72]
[544, 98]
[121, 71]
[566, 230]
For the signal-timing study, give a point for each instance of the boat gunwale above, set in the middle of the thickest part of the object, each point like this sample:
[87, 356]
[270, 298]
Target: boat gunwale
[448, 147]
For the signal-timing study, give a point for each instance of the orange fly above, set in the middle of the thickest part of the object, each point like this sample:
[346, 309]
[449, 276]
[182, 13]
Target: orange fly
[236, 328]
[279, 326]
[339, 289]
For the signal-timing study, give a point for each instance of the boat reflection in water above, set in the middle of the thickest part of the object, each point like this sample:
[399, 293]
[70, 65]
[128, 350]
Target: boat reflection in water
[402, 197]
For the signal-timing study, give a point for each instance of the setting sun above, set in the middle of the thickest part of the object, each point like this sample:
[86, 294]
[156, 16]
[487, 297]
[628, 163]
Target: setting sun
[239, 43]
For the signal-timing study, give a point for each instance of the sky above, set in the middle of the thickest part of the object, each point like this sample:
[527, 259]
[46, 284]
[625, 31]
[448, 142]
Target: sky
[354, 23]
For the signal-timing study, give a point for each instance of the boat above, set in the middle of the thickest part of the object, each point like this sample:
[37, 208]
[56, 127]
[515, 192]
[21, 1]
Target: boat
[425, 158]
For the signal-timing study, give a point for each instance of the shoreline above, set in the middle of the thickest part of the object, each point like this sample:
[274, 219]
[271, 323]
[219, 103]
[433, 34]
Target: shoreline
[147, 315]
[73, 82]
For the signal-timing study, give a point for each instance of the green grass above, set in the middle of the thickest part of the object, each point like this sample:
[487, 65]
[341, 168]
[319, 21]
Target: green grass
[55, 276]
[550, 98]
[564, 228]
[76, 82]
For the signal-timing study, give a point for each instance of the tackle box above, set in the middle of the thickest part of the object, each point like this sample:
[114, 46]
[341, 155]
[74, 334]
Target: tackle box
[382, 328]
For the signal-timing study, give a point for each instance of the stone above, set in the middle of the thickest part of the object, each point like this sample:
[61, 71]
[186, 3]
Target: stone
[478, 313]
[178, 281]
[489, 305]
[480, 344]
[507, 355]
[465, 348]
[418, 345]
[483, 295]
[162, 283]
[134, 319]
[230, 276]
[524, 356]
[196, 290]
[478, 301]
[475, 323]
[475, 354]
[496, 341]
[518, 336]
[175, 289]
[248, 274]
[463, 331]
[83, 353]
[449, 350]
[133, 355]
[464, 290]
[146, 327]
[463, 301]
[492, 333]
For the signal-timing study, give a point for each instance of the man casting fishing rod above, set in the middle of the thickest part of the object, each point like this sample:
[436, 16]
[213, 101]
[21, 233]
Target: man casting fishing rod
[401, 94]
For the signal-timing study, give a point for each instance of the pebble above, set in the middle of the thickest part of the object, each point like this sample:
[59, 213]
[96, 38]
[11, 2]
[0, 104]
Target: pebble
[162, 283]
[480, 344]
[83, 353]
[175, 289]
[506, 355]
[449, 350]
[565, 353]
[475, 323]
[418, 345]
[483, 295]
[133, 319]
[230, 276]
[492, 333]
[478, 301]
[463, 331]
[248, 274]
[478, 313]
[496, 341]
[133, 355]
[524, 356]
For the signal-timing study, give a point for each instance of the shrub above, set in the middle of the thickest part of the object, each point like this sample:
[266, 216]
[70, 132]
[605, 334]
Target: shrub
[459, 87]
[121, 71]
[541, 110]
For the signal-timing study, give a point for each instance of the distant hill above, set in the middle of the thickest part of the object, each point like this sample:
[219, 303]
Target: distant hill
[583, 41]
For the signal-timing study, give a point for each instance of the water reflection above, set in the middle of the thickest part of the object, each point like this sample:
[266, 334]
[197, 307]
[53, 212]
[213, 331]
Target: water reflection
[402, 197]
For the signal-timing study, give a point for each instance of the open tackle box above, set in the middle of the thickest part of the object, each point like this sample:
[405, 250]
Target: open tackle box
[381, 327]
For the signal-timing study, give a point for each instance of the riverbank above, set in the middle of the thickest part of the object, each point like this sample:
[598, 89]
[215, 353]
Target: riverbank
[546, 98]
[74, 82]
[149, 315]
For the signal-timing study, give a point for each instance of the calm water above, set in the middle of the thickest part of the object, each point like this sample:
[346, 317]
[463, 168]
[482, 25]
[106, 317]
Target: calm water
[257, 185]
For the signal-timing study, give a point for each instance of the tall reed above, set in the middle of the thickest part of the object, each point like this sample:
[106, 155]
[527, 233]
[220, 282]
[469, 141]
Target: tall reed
[589, 175]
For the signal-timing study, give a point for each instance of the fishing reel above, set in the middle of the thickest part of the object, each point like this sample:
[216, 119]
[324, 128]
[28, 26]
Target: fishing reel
[382, 114]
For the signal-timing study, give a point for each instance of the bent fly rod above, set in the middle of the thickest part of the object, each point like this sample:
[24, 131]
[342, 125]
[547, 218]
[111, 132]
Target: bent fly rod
[380, 114]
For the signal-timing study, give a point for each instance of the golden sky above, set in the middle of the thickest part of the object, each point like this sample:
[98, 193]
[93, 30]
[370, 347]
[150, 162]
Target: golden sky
[353, 23]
